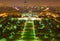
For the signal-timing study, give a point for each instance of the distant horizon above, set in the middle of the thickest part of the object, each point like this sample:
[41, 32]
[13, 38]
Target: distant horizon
[30, 3]
[32, 6]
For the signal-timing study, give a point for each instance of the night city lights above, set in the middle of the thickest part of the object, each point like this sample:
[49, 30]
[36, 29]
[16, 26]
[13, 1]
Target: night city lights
[29, 20]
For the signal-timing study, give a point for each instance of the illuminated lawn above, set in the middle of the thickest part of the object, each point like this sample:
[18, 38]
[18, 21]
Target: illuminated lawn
[28, 33]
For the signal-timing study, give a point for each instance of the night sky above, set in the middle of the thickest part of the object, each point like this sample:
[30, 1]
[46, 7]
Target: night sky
[30, 2]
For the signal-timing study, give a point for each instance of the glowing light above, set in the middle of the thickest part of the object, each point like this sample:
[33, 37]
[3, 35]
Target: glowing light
[26, 18]
[33, 18]
[14, 26]
[46, 9]
[16, 8]
[0, 25]
[57, 26]
[3, 39]
[3, 15]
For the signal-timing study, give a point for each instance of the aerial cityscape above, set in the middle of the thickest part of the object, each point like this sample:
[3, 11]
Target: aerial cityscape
[29, 20]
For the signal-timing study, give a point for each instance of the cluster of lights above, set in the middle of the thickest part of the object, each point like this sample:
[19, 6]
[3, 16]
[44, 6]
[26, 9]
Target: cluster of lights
[41, 23]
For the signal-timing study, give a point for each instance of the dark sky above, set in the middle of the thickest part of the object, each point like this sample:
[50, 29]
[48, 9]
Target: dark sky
[29, 2]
